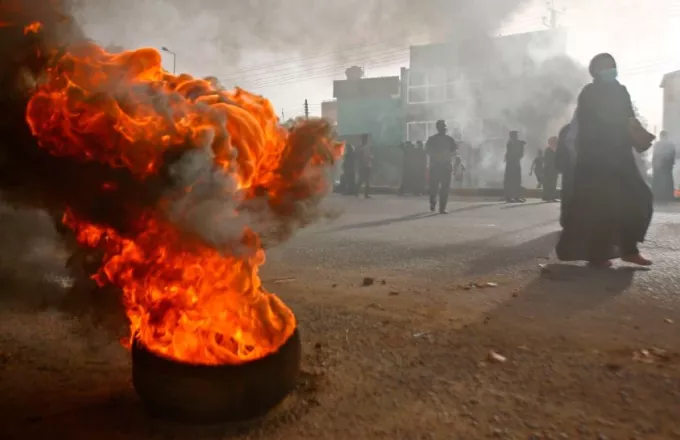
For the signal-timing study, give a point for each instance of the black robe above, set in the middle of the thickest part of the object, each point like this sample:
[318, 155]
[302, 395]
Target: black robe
[550, 175]
[611, 205]
[663, 161]
[564, 162]
[408, 170]
[512, 180]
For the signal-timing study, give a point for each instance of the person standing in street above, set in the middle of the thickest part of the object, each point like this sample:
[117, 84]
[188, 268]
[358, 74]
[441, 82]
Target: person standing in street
[441, 148]
[611, 206]
[565, 160]
[537, 169]
[408, 169]
[364, 166]
[420, 169]
[458, 171]
[513, 168]
[348, 179]
[550, 172]
[663, 161]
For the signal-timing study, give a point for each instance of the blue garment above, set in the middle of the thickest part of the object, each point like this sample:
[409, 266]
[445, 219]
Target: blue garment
[608, 75]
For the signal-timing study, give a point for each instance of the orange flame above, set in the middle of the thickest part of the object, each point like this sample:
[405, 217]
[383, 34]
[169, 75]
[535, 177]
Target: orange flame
[32, 28]
[184, 299]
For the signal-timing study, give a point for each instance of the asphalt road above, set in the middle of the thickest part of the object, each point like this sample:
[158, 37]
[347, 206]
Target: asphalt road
[395, 238]
[589, 354]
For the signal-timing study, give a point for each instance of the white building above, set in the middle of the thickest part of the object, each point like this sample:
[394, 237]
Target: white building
[671, 105]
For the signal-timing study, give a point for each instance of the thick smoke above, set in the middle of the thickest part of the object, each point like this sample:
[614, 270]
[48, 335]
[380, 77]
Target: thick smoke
[219, 34]
[217, 211]
[532, 89]
[32, 177]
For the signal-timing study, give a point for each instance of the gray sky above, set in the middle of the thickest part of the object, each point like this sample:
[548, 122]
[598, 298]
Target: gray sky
[267, 54]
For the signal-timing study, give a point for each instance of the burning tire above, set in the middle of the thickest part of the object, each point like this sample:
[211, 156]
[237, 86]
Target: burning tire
[215, 393]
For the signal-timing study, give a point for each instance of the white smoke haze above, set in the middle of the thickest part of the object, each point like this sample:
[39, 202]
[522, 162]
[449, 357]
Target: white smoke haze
[214, 36]
[212, 206]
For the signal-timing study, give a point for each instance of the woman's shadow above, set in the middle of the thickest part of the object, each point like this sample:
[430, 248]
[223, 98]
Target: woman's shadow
[562, 291]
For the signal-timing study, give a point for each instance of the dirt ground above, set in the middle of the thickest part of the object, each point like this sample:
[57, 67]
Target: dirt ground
[395, 360]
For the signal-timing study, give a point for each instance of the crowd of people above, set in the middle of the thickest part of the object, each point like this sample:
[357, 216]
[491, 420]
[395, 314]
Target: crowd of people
[357, 165]
[606, 203]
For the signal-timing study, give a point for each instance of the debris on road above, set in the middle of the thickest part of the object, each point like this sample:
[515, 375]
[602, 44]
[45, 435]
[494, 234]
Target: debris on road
[284, 280]
[394, 293]
[383, 282]
[496, 358]
[420, 334]
[375, 306]
[669, 321]
[649, 356]
[368, 281]
[478, 285]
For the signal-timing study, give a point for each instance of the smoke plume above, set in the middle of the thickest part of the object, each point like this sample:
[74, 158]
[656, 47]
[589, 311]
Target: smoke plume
[224, 31]
[82, 151]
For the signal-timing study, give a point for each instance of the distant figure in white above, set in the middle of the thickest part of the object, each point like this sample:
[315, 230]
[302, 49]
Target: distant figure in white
[663, 161]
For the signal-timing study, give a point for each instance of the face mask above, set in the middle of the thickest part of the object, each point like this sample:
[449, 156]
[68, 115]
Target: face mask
[609, 74]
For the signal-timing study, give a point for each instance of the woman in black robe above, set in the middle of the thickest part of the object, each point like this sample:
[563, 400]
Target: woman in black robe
[611, 205]
[550, 173]
[564, 163]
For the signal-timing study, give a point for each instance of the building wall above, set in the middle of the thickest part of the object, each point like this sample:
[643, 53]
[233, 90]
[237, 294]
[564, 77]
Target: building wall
[329, 110]
[382, 119]
[445, 81]
[671, 107]
[440, 93]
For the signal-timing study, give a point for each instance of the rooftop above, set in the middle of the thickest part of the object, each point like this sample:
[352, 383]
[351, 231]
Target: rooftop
[378, 87]
[669, 76]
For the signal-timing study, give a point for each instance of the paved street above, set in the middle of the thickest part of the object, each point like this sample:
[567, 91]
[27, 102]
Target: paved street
[435, 258]
[470, 330]
[397, 238]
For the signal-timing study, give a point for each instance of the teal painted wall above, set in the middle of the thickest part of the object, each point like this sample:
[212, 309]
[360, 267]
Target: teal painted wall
[382, 119]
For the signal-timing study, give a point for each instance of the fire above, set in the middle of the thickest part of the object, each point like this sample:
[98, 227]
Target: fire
[184, 299]
[32, 28]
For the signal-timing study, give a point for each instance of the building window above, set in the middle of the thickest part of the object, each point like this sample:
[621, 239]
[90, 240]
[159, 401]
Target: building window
[417, 131]
[417, 79]
[436, 93]
[450, 92]
[437, 77]
[437, 86]
[417, 95]
[421, 130]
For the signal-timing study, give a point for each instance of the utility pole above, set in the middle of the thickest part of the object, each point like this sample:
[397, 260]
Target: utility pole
[283, 117]
[306, 110]
[174, 58]
[551, 21]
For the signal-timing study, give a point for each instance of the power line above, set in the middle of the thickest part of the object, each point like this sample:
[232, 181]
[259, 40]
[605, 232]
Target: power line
[280, 73]
[238, 73]
[306, 75]
[389, 58]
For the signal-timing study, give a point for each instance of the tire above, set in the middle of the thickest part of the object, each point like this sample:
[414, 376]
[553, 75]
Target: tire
[215, 393]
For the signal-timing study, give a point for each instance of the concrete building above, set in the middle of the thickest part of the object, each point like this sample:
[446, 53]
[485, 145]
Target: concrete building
[671, 104]
[481, 88]
[329, 110]
[452, 81]
[370, 106]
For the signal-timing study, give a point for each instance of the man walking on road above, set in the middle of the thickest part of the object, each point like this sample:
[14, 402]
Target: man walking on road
[364, 165]
[513, 168]
[441, 148]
